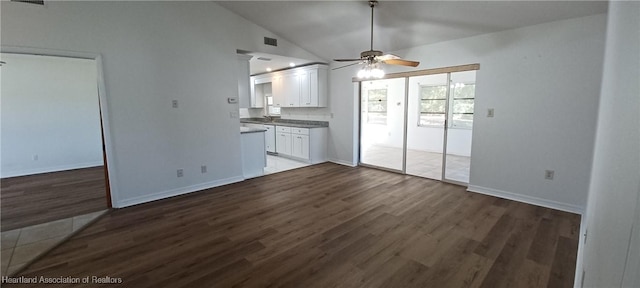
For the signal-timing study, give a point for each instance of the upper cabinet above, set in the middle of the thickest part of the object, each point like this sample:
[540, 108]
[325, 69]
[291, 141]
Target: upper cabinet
[276, 85]
[298, 87]
[244, 85]
[291, 89]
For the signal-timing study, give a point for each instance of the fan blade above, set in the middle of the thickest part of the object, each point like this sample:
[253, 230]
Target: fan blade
[402, 62]
[347, 60]
[387, 57]
[346, 66]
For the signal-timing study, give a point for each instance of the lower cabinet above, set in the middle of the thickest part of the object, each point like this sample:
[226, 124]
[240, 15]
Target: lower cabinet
[300, 146]
[308, 144]
[270, 138]
[283, 141]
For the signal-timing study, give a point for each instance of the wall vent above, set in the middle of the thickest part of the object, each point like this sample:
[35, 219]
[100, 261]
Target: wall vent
[36, 2]
[264, 58]
[270, 41]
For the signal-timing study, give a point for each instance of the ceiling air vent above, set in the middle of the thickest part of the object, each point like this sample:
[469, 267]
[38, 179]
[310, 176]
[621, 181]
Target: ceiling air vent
[36, 2]
[270, 41]
[264, 59]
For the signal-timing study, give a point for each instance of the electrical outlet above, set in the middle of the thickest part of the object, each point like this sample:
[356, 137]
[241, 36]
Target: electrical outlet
[548, 174]
[174, 103]
[35, 157]
[203, 169]
[490, 112]
[180, 172]
[234, 114]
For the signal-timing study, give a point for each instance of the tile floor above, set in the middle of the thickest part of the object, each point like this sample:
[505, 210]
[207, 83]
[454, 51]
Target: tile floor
[419, 163]
[20, 246]
[277, 164]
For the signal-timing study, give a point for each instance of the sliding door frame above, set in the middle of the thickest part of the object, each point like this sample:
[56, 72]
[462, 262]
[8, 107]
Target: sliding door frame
[404, 151]
[406, 76]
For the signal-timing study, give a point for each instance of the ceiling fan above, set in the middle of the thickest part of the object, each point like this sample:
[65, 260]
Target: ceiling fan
[373, 58]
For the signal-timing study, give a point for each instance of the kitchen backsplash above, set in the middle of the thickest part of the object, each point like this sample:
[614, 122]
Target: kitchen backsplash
[313, 114]
[317, 114]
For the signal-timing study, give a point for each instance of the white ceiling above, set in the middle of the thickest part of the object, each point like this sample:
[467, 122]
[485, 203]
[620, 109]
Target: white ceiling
[340, 29]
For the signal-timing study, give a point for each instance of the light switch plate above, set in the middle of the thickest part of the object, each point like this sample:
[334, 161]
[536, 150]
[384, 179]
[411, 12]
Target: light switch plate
[490, 112]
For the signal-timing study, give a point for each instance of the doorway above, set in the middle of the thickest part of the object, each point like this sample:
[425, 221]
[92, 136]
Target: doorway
[54, 177]
[420, 123]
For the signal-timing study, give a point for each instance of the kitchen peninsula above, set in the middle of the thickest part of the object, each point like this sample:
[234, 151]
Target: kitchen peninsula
[254, 156]
[300, 140]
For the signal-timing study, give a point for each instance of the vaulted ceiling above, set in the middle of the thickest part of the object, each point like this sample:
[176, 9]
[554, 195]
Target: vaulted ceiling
[340, 29]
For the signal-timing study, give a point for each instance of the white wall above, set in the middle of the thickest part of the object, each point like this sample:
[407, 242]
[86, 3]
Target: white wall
[153, 53]
[543, 83]
[615, 180]
[343, 123]
[50, 114]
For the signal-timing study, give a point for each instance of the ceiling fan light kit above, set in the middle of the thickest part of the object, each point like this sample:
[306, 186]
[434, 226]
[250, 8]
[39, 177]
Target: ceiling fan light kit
[371, 71]
[372, 59]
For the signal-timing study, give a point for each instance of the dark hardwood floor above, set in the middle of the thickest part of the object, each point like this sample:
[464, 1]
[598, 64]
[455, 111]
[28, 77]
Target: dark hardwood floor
[325, 226]
[40, 198]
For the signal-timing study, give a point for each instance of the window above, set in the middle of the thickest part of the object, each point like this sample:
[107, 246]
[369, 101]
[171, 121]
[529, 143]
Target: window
[376, 103]
[272, 110]
[433, 100]
[463, 99]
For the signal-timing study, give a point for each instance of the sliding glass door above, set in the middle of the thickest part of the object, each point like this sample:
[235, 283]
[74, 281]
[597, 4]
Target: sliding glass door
[460, 124]
[419, 125]
[382, 107]
[426, 125]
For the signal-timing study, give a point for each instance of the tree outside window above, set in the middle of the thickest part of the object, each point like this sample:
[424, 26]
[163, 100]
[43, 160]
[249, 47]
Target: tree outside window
[463, 99]
[432, 105]
[433, 100]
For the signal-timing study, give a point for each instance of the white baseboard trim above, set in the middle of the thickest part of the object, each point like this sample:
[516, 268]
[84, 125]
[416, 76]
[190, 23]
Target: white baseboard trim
[341, 162]
[42, 170]
[175, 192]
[527, 199]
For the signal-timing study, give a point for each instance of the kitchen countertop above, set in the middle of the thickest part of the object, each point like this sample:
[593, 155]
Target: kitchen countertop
[251, 130]
[287, 122]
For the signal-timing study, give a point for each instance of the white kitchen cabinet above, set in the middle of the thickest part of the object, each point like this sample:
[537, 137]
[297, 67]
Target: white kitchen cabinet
[314, 80]
[300, 146]
[283, 140]
[270, 138]
[278, 91]
[244, 84]
[291, 89]
[307, 144]
[309, 89]
[298, 87]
